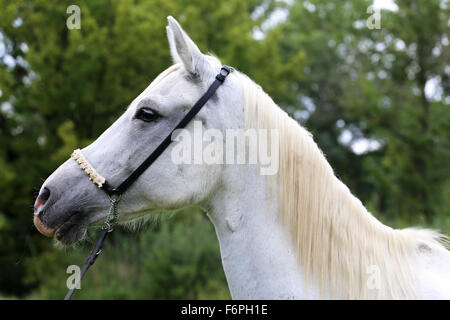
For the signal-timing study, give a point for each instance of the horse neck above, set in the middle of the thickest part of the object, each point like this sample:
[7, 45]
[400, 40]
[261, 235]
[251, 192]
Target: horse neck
[258, 258]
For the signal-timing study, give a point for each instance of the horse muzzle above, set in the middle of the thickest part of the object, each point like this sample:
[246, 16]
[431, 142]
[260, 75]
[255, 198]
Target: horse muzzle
[42, 228]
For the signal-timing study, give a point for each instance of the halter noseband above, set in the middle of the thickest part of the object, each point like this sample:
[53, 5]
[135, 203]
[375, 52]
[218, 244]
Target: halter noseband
[114, 194]
[85, 165]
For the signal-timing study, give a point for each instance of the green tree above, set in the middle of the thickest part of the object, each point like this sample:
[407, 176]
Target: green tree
[369, 86]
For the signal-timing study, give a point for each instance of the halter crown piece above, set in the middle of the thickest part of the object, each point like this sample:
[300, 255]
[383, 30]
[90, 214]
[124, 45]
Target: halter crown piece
[114, 194]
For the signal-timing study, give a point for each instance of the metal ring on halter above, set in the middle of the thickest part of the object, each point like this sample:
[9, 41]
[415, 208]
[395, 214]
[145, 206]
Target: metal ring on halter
[110, 197]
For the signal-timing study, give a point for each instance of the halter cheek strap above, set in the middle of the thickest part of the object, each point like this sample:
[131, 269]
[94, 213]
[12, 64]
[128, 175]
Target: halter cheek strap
[220, 78]
[114, 194]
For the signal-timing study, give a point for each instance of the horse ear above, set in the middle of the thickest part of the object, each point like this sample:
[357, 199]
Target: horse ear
[184, 50]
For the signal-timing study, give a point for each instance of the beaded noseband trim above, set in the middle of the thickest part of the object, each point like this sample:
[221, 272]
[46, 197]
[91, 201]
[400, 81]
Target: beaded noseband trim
[84, 164]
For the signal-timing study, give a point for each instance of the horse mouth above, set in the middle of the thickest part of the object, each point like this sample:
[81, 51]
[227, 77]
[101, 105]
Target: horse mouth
[71, 230]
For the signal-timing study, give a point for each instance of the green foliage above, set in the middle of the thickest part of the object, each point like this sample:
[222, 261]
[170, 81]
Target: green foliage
[61, 88]
[371, 84]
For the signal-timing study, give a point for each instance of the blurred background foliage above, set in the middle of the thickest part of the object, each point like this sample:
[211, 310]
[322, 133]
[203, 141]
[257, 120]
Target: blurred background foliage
[376, 100]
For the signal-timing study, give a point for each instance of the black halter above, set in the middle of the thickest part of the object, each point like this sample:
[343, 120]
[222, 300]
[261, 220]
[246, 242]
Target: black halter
[114, 194]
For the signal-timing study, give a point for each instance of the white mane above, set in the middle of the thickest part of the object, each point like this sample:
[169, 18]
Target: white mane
[337, 240]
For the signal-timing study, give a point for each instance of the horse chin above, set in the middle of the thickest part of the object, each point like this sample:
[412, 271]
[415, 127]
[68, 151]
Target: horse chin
[71, 231]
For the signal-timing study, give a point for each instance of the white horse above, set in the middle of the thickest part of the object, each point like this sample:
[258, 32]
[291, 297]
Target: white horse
[299, 234]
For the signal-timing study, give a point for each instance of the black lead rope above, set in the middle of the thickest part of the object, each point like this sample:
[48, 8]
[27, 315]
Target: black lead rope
[90, 261]
[114, 194]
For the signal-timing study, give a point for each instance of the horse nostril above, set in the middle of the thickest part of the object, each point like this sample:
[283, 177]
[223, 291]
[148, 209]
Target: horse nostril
[45, 194]
[42, 198]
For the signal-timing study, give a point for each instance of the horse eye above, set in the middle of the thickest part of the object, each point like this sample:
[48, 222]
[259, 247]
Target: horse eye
[147, 115]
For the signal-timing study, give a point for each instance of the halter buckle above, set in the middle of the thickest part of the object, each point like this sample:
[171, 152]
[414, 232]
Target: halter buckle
[224, 72]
